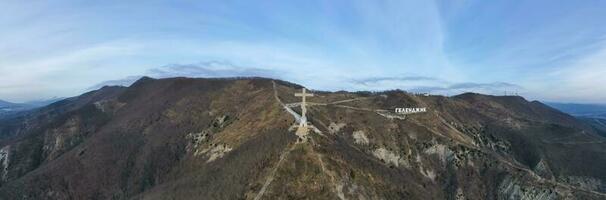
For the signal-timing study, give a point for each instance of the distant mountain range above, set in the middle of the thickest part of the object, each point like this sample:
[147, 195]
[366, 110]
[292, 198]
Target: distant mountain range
[11, 109]
[581, 110]
[6, 104]
[593, 115]
[8, 107]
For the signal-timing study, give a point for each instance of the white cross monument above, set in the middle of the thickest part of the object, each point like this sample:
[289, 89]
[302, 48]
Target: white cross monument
[302, 131]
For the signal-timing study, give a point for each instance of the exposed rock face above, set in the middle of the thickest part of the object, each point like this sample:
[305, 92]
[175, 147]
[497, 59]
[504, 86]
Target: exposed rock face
[442, 151]
[387, 156]
[360, 138]
[334, 128]
[4, 161]
[512, 189]
[542, 169]
[217, 151]
[185, 138]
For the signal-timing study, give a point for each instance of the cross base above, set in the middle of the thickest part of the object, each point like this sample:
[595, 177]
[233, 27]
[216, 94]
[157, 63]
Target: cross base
[302, 132]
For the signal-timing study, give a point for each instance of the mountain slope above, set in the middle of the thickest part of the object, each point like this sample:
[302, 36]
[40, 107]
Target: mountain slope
[597, 123]
[593, 115]
[188, 138]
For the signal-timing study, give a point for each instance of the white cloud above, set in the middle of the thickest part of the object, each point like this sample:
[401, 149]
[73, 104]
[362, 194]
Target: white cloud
[61, 49]
[434, 85]
[584, 80]
[65, 73]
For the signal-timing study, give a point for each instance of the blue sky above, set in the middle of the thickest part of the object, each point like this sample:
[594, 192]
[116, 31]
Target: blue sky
[541, 49]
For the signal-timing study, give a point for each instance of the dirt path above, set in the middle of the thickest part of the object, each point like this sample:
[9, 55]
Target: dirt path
[288, 106]
[288, 109]
[272, 174]
[350, 100]
[331, 103]
[336, 188]
[562, 140]
[286, 152]
[599, 122]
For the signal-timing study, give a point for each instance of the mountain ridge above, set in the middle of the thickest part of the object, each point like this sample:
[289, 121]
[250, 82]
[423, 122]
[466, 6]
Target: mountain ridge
[191, 138]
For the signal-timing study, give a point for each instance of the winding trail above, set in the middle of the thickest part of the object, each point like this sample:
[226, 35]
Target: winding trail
[285, 152]
[330, 174]
[380, 112]
[350, 100]
[272, 174]
[599, 121]
[562, 140]
[288, 109]
[331, 103]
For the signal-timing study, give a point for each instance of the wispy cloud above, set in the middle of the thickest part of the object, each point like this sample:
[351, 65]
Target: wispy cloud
[117, 82]
[204, 69]
[210, 69]
[61, 48]
[583, 80]
[436, 85]
[409, 83]
[375, 80]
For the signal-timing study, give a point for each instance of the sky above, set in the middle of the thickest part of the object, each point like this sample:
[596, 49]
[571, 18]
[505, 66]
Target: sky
[538, 49]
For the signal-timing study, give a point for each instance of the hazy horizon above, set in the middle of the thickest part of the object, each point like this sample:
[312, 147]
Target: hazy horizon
[63, 49]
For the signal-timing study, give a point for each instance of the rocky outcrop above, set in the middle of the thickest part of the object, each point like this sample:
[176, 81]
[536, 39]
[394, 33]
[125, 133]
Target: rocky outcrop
[360, 138]
[4, 162]
[217, 151]
[512, 189]
[389, 157]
